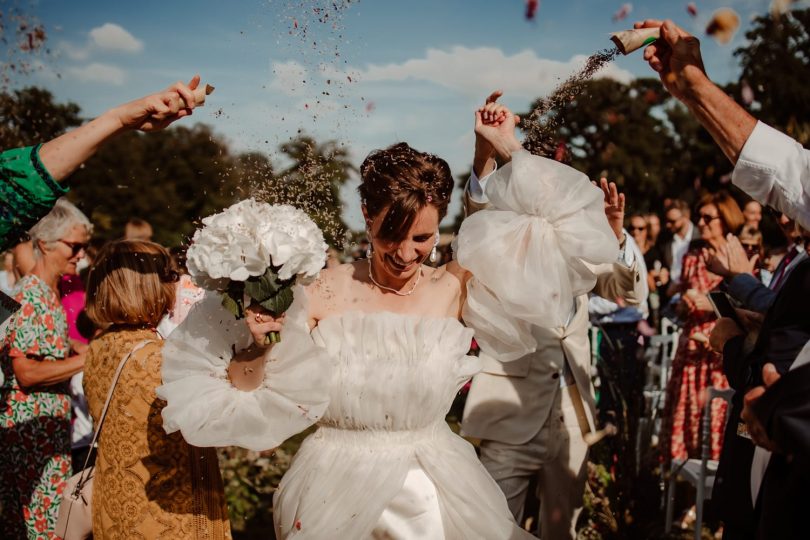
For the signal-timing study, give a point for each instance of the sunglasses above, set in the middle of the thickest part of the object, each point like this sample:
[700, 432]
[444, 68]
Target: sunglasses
[75, 247]
[751, 249]
[643, 228]
[707, 218]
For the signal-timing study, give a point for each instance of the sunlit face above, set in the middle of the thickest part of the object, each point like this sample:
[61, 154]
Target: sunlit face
[401, 260]
[655, 224]
[64, 254]
[710, 224]
[638, 230]
[752, 213]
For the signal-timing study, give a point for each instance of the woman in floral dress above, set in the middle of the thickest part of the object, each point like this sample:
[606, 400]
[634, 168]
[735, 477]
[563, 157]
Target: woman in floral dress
[36, 364]
[696, 366]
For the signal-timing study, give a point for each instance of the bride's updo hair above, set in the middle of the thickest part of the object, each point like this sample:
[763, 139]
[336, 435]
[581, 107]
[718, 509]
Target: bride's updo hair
[403, 181]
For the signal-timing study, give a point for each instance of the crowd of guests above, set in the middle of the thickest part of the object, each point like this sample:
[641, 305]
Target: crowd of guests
[84, 307]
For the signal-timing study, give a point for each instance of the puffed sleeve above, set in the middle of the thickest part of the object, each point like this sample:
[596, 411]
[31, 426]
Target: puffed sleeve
[209, 411]
[528, 251]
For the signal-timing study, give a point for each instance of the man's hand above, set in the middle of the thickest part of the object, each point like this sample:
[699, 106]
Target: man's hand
[724, 329]
[614, 207]
[755, 427]
[675, 57]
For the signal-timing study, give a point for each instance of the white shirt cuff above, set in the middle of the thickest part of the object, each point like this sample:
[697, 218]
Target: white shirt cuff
[626, 256]
[476, 187]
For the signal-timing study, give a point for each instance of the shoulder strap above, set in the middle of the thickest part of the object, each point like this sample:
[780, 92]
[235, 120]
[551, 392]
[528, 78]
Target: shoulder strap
[115, 378]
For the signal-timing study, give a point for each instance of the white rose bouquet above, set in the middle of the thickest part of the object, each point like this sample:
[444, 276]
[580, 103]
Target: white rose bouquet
[253, 252]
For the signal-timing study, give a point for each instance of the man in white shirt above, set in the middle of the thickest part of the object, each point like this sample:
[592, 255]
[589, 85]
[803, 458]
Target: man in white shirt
[683, 231]
[771, 167]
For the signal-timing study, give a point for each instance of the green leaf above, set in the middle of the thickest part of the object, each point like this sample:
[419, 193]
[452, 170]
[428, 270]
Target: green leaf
[232, 305]
[279, 303]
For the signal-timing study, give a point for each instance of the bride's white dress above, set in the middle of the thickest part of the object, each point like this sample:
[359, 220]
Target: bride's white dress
[383, 463]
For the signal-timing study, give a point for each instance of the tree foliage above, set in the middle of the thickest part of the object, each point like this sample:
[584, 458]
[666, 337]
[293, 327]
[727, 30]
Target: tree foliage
[29, 116]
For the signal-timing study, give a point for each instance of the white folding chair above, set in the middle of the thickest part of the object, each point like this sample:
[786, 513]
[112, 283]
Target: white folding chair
[698, 472]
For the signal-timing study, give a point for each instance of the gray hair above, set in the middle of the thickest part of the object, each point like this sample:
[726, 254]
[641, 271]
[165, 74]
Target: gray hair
[59, 221]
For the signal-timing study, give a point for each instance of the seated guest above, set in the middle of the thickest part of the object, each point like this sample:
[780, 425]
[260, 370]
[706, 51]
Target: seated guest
[147, 484]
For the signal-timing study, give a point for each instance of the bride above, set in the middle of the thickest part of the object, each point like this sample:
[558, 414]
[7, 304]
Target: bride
[374, 351]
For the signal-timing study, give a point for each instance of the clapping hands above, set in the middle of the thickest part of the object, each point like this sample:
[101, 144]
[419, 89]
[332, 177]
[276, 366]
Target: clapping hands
[731, 259]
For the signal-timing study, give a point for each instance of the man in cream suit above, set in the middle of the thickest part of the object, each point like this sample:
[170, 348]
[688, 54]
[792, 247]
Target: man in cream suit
[532, 414]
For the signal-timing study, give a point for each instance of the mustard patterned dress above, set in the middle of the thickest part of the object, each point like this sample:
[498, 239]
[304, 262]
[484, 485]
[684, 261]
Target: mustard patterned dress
[148, 485]
[34, 422]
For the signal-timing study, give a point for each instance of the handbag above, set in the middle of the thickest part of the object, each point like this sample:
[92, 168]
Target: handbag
[75, 517]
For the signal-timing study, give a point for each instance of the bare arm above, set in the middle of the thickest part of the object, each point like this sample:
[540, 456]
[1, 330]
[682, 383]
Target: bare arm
[64, 154]
[677, 59]
[30, 372]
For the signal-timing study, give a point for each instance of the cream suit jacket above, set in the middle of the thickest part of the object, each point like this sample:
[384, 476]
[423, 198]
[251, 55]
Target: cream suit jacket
[511, 401]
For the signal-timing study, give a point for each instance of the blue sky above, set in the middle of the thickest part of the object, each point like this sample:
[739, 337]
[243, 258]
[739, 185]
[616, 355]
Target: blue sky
[418, 68]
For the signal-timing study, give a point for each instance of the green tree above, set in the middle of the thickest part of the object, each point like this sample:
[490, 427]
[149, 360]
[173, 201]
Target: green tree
[312, 182]
[31, 116]
[170, 178]
[775, 62]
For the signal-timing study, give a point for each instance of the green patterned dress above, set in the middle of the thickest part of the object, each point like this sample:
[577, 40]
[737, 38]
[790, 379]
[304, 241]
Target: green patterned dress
[27, 193]
[34, 422]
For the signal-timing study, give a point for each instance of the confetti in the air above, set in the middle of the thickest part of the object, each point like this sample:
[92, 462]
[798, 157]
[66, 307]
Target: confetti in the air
[746, 93]
[623, 12]
[691, 8]
[723, 25]
[531, 9]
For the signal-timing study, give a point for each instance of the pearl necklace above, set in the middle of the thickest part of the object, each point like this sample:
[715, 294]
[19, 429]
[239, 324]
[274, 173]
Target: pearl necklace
[398, 293]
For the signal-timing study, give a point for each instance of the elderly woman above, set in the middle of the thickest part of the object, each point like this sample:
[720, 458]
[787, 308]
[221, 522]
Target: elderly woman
[37, 365]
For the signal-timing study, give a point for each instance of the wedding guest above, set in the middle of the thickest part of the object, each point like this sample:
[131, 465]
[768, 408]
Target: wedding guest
[532, 413]
[186, 295]
[736, 266]
[654, 223]
[138, 229]
[696, 367]
[683, 232]
[7, 277]
[37, 365]
[769, 166]
[753, 214]
[147, 484]
[31, 178]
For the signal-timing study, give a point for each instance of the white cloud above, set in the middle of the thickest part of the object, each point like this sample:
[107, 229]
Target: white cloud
[111, 36]
[289, 77]
[478, 71]
[98, 73]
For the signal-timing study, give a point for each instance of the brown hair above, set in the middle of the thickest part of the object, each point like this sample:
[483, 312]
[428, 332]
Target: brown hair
[679, 205]
[727, 208]
[403, 181]
[137, 229]
[132, 282]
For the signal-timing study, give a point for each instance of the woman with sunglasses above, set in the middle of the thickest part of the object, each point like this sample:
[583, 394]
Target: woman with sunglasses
[37, 365]
[696, 366]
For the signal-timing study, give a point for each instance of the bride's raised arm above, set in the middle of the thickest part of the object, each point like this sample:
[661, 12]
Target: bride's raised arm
[528, 249]
[223, 389]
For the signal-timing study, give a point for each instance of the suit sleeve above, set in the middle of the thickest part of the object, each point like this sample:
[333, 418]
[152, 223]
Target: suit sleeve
[751, 292]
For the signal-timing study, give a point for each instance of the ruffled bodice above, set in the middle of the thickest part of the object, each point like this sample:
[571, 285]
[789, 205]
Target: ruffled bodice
[391, 371]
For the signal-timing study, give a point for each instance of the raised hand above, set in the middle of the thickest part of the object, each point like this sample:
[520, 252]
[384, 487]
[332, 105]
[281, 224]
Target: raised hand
[675, 57]
[157, 111]
[614, 206]
[495, 129]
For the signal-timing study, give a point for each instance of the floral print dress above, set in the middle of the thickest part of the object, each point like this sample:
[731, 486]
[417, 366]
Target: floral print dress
[35, 421]
[695, 368]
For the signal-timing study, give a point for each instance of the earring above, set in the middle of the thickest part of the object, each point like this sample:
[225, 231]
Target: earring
[433, 254]
[369, 249]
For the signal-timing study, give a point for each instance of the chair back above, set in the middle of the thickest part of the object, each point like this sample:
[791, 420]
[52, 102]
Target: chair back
[706, 436]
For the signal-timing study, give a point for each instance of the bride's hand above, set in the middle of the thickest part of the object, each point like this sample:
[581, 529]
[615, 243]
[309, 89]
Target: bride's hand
[495, 126]
[260, 323]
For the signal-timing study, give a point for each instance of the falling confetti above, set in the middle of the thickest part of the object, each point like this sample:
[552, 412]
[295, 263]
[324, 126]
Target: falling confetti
[623, 12]
[746, 93]
[780, 7]
[691, 8]
[370, 106]
[724, 25]
[531, 9]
